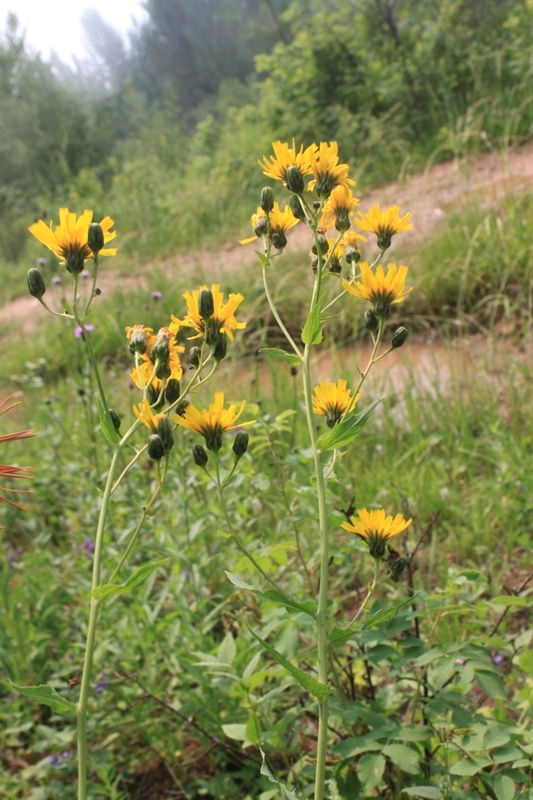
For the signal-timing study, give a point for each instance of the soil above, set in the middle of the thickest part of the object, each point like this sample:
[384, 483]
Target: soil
[430, 196]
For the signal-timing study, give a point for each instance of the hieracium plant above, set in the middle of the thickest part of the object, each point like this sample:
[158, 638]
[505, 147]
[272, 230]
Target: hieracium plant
[326, 205]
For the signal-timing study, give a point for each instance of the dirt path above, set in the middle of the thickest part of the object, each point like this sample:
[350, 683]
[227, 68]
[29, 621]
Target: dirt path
[430, 196]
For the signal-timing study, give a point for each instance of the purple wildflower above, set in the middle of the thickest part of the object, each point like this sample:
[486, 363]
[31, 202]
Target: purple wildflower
[101, 686]
[78, 333]
[88, 545]
[157, 295]
[497, 658]
[85, 273]
[54, 761]
[56, 280]
[41, 262]
[460, 661]
[65, 754]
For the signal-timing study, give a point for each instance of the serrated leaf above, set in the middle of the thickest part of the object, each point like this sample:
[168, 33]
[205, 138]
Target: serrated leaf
[276, 352]
[496, 736]
[386, 614]
[285, 793]
[505, 754]
[47, 696]
[312, 330]
[106, 424]
[426, 792]
[503, 787]
[370, 770]
[108, 590]
[347, 429]
[317, 689]
[339, 636]
[404, 757]
[490, 684]
[469, 766]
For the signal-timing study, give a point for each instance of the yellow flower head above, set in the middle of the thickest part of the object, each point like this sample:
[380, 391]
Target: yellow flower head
[384, 224]
[69, 240]
[163, 350]
[221, 321]
[338, 208]
[144, 412]
[280, 222]
[285, 157]
[376, 528]
[327, 171]
[212, 422]
[382, 290]
[333, 400]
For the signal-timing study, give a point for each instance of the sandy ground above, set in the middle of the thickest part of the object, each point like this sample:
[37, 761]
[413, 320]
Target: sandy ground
[430, 196]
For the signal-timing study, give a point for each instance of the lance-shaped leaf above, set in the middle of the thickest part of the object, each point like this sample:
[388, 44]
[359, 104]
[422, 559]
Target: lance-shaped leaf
[276, 352]
[111, 589]
[47, 696]
[106, 424]
[317, 689]
[312, 330]
[347, 429]
[276, 595]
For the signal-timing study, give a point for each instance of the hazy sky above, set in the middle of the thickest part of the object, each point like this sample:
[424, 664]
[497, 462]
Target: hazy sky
[55, 24]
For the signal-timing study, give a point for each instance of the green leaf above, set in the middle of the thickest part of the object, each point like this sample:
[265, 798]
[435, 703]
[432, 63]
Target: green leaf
[285, 793]
[505, 754]
[111, 589]
[347, 429]
[308, 606]
[505, 600]
[227, 650]
[339, 636]
[238, 582]
[253, 730]
[386, 614]
[370, 770]
[312, 330]
[262, 258]
[276, 352]
[426, 792]
[235, 731]
[469, 766]
[404, 757]
[496, 736]
[106, 424]
[313, 686]
[503, 787]
[490, 684]
[47, 696]
[355, 745]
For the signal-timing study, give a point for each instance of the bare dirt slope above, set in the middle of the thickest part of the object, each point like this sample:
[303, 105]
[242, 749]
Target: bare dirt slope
[430, 196]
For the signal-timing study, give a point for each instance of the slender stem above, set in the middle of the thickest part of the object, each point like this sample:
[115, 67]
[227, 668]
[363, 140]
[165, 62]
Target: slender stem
[94, 363]
[372, 360]
[278, 318]
[371, 589]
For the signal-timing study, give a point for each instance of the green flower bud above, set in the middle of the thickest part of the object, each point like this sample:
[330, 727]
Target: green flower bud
[342, 222]
[352, 254]
[161, 348]
[199, 455]
[279, 240]
[267, 199]
[335, 266]
[240, 445]
[221, 348]
[138, 341]
[206, 304]
[194, 356]
[384, 240]
[261, 227]
[156, 448]
[323, 245]
[164, 431]
[370, 321]
[36, 285]
[95, 239]
[398, 566]
[115, 419]
[398, 337]
[75, 262]
[152, 396]
[377, 546]
[296, 207]
[172, 391]
[181, 408]
[294, 180]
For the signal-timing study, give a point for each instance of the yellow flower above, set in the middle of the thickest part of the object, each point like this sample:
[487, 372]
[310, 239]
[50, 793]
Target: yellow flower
[338, 207]
[333, 400]
[280, 223]
[327, 171]
[384, 224]
[286, 157]
[144, 413]
[382, 290]
[376, 528]
[169, 364]
[222, 320]
[69, 240]
[211, 423]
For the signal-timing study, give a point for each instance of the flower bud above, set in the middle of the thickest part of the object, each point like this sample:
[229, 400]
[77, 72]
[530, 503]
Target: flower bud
[115, 419]
[294, 180]
[398, 566]
[261, 227]
[95, 238]
[267, 199]
[156, 448]
[221, 348]
[172, 391]
[352, 254]
[377, 546]
[342, 221]
[370, 321]
[279, 240]
[296, 207]
[181, 408]
[161, 348]
[152, 395]
[199, 455]
[206, 303]
[75, 262]
[164, 431]
[138, 340]
[240, 445]
[323, 245]
[36, 285]
[384, 240]
[194, 356]
[398, 337]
